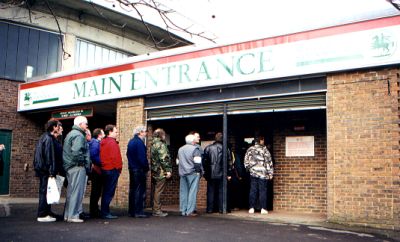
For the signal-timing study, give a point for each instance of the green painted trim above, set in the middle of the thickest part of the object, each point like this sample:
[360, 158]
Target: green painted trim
[45, 100]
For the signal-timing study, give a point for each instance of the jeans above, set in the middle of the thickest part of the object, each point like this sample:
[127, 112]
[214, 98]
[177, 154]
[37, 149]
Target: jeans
[258, 187]
[44, 209]
[95, 194]
[213, 186]
[110, 179]
[137, 192]
[189, 185]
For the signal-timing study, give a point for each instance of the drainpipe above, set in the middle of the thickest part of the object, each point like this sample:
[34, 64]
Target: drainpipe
[224, 158]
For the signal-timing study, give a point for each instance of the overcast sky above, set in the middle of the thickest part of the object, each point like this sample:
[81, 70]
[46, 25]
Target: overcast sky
[234, 21]
[249, 19]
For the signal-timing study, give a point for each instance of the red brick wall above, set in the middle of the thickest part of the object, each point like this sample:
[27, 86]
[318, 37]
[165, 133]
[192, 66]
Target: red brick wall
[300, 182]
[363, 148]
[25, 133]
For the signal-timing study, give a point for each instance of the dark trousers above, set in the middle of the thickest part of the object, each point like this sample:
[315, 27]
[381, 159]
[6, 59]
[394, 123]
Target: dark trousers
[214, 189]
[258, 189]
[44, 209]
[137, 192]
[110, 179]
[95, 194]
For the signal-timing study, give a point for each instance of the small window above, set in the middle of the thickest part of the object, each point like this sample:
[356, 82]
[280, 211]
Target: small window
[89, 54]
[26, 52]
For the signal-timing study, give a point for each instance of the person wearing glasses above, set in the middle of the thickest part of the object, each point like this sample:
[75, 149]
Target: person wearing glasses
[76, 158]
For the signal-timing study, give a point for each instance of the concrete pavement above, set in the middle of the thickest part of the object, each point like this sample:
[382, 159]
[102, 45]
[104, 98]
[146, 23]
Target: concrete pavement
[274, 217]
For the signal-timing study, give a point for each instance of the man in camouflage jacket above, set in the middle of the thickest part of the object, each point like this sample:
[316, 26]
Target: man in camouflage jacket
[258, 162]
[161, 169]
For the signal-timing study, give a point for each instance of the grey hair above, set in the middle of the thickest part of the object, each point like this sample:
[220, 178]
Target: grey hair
[189, 138]
[80, 119]
[139, 129]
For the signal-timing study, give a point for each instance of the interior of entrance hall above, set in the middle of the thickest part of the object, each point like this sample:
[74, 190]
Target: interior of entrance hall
[299, 183]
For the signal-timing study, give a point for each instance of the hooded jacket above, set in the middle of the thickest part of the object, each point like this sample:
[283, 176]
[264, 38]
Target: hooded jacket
[259, 162]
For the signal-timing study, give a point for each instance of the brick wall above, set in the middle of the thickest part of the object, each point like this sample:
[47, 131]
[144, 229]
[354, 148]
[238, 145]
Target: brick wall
[25, 133]
[300, 182]
[130, 113]
[363, 148]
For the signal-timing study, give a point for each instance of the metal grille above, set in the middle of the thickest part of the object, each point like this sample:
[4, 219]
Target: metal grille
[256, 105]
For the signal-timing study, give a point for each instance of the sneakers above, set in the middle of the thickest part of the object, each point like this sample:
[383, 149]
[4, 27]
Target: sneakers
[160, 214]
[264, 211]
[251, 210]
[75, 220]
[48, 218]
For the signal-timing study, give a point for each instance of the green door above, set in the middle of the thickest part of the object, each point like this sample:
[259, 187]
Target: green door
[5, 138]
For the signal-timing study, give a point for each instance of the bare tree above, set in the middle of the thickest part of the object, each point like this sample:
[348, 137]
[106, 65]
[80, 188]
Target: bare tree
[165, 15]
[395, 3]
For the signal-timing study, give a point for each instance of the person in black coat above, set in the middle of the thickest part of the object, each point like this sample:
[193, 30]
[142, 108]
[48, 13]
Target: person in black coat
[213, 172]
[46, 165]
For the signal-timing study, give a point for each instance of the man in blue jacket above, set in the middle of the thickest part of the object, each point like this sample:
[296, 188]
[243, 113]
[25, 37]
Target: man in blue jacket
[97, 181]
[138, 166]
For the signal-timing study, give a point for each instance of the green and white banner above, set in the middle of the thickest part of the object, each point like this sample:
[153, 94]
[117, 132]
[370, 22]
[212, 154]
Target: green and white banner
[318, 51]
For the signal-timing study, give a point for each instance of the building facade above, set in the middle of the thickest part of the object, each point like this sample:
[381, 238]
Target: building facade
[326, 100]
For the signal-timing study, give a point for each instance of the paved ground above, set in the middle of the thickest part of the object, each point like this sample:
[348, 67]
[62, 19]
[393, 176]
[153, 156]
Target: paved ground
[21, 225]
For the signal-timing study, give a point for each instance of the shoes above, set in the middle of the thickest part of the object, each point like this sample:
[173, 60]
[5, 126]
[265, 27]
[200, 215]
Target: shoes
[209, 211]
[192, 215]
[48, 218]
[109, 216]
[56, 216]
[141, 216]
[160, 214]
[95, 214]
[264, 211]
[74, 220]
[84, 216]
[251, 210]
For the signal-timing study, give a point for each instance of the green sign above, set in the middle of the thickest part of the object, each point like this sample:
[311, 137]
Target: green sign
[68, 114]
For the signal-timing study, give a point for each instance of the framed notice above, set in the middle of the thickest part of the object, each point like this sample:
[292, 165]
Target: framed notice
[300, 146]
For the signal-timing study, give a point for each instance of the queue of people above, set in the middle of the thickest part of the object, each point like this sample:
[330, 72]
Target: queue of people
[98, 157]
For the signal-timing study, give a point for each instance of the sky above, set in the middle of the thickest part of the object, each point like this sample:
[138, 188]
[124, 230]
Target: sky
[228, 21]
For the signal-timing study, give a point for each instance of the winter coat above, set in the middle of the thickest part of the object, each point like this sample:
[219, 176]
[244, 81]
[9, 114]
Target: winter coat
[160, 159]
[110, 154]
[94, 147]
[76, 150]
[44, 161]
[213, 161]
[137, 155]
[259, 162]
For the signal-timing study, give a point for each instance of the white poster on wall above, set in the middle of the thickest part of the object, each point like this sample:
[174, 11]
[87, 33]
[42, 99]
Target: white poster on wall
[299, 146]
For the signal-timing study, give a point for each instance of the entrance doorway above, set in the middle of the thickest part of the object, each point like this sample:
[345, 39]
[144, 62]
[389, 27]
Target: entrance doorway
[5, 138]
[241, 131]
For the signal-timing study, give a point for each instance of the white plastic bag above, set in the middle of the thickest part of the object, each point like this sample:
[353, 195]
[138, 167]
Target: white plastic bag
[53, 195]
[60, 182]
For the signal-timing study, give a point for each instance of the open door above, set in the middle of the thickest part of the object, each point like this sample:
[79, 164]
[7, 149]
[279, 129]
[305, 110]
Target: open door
[5, 138]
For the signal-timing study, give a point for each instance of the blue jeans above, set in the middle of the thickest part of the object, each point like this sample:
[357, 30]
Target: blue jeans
[110, 179]
[137, 192]
[258, 187]
[189, 185]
